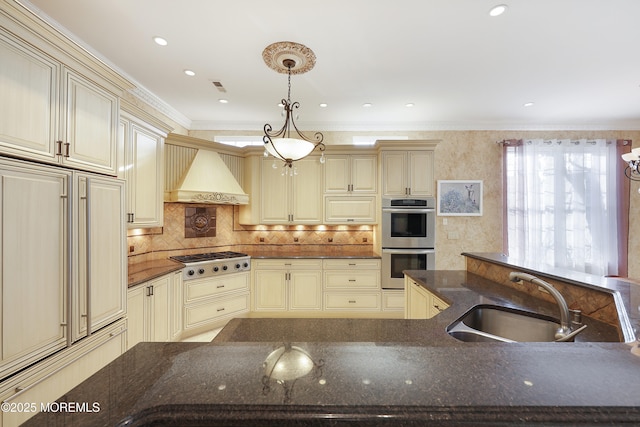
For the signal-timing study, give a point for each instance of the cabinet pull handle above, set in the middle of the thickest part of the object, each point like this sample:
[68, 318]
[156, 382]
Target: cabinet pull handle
[59, 149]
[352, 263]
[352, 280]
[220, 286]
[352, 301]
[220, 309]
[438, 308]
[66, 149]
[150, 291]
[350, 220]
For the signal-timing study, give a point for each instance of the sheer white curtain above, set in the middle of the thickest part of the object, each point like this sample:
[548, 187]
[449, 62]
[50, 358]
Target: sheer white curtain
[562, 204]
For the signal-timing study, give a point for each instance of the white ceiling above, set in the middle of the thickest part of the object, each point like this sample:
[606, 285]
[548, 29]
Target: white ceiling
[577, 60]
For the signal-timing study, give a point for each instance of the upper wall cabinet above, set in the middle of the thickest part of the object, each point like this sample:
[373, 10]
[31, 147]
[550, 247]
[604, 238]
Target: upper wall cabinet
[346, 173]
[143, 146]
[52, 114]
[408, 173]
[291, 198]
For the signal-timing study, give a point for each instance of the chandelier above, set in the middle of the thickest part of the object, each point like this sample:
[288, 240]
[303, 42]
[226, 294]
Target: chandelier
[288, 143]
[633, 169]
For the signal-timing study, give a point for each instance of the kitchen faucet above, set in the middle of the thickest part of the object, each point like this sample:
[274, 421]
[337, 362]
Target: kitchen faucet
[565, 332]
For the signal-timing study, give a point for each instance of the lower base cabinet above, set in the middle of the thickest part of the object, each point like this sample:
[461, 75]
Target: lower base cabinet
[420, 303]
[211, 301]
[150, 311]
[47, 381]
[287, 285]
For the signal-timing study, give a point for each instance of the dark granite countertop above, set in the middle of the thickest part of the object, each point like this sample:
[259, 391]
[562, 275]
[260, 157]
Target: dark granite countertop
[140, 272]
[368, 372]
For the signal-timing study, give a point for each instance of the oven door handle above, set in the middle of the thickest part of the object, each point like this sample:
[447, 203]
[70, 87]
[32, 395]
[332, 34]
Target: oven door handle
[409, 251]
[408, 210]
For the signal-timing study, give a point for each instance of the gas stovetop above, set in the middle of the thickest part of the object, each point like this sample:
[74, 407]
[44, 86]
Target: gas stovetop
[213, 264]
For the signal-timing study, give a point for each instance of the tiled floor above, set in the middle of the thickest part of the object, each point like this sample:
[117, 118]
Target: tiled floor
[204, 337]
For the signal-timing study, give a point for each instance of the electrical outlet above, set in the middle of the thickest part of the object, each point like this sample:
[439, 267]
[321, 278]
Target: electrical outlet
[262, 240]
[131, 249]
[295, 239]
[365, 240]
[330, 239]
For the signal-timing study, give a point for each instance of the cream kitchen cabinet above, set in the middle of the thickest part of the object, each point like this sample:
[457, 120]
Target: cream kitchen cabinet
[287, 285]
[351, 210]
[352, 285]
[211, 301]
[72, 224]
[142, 145]
[35, 221]
[408, 173]
[99, 293]
[353, 174]
[420, 303]
[47, 381]
[291, 199]
[52, 114]
[393, 300]
[149, 311]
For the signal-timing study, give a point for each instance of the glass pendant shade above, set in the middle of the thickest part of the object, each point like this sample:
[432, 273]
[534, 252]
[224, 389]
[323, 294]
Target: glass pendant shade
[291, 149]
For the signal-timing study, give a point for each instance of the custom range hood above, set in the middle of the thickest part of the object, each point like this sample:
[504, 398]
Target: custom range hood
[208, 180]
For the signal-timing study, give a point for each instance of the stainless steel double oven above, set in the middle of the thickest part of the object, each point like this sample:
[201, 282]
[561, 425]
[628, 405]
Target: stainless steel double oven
[408, 238]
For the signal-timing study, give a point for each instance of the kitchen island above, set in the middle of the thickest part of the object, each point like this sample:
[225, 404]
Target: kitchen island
[369, 372]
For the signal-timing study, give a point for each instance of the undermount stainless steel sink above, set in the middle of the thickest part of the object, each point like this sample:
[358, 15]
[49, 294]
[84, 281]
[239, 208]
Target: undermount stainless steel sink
[491, 323]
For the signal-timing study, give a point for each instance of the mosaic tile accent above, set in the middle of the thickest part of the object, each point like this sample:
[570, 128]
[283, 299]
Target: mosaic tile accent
[229, 234]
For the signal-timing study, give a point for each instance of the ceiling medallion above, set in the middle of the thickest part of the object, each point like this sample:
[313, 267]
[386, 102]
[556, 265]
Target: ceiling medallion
[277, 53]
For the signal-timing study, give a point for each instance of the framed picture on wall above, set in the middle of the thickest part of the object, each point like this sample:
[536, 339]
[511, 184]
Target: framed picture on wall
[460, 198]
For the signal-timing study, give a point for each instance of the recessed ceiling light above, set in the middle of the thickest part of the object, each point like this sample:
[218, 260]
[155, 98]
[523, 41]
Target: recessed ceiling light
[498, 10]
[367, 104]
[409, 104]
[190, 73]
[323, 105]
[528, 104]
[160, 41]
[223, 101]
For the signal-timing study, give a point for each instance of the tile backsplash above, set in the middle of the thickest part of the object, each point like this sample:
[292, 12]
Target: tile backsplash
[158, 243]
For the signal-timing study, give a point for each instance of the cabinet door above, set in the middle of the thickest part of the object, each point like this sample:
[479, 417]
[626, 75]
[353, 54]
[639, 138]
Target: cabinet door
[307, 192]
[91, 126]
[305, 290]
[337, 177]
[34, 217]
[394, 173]
[275, 193]
[350, 209]
[159, 305]
[421, 176]
[101, 265]
[418, 303]
[29, 102]
[364, 174]
[270, 290]
[136, 320]
[144, 177]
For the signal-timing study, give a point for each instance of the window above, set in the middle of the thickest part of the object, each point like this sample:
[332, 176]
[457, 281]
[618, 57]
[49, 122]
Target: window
[567, 204]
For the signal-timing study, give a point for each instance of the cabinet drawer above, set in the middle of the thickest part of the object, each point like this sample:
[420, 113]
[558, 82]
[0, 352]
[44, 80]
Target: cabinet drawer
[360, 279]
[211, 311]
[286, 264]
[203, 288]
[369, 301]
[351, 263]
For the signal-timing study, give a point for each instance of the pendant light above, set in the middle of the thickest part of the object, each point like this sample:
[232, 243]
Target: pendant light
[288, 144]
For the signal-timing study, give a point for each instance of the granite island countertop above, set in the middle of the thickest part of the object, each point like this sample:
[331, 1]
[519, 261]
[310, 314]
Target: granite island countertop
[408, 372]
